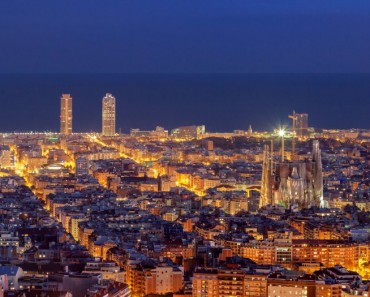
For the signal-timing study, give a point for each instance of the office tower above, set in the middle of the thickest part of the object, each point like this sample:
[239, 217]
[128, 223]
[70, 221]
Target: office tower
[66, 114]
[301, 124]
[109, 115]
[295, 184]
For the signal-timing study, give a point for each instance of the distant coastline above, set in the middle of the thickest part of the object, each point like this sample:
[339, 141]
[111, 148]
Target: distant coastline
[222, 102]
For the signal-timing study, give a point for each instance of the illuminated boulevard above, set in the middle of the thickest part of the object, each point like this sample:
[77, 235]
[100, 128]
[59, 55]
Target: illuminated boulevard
[184, 148]
[158, 212]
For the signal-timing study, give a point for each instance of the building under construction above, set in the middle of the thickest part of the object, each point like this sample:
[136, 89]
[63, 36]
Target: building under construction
[293, 184]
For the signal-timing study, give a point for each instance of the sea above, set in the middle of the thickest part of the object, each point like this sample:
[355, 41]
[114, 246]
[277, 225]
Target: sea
[221, 102]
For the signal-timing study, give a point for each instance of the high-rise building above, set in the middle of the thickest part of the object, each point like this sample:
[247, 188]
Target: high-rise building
[301, 124]
[109, 115]
[66, 114]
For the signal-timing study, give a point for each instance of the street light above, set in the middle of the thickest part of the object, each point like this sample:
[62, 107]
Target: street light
[281, 133]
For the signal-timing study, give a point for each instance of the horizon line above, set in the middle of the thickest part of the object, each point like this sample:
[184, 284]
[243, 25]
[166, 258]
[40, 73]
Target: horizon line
[172, 73]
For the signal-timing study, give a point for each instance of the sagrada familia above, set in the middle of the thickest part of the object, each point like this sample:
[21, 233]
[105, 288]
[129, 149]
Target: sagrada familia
[292, 184]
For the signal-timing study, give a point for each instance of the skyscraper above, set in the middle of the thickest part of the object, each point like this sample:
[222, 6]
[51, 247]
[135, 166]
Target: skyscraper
[66, 114]
[301, 124]
[109, 115]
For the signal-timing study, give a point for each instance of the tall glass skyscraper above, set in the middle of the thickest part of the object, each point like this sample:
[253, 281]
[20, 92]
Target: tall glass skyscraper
[66, 114]
[109, 115]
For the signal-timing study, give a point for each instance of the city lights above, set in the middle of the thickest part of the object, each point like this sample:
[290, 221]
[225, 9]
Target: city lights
[133, 169]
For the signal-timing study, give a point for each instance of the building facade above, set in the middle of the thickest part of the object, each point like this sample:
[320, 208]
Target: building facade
[301, 125]
[82, 166]
[66, 114]
[229, 282]
[188, 132]
[292, 184]
[109, 115]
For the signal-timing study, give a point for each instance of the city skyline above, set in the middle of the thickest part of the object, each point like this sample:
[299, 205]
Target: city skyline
[184, 148]
[237, 101]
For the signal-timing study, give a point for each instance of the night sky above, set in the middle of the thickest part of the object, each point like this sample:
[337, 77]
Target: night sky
[212, 37]
[184, 36]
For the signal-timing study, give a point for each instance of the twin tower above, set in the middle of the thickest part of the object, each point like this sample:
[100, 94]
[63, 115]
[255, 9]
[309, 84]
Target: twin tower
[108, 114]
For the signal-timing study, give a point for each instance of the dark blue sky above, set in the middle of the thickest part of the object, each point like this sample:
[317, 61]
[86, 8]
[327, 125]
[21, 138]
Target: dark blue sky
[164, 36]
[222, 102]
[185, 36]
